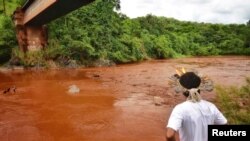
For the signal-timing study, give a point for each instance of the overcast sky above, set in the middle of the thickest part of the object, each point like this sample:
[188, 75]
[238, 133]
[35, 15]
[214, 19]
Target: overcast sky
[212, 11]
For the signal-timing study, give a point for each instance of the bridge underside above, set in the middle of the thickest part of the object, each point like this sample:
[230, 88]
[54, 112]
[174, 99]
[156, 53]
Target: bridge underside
[55, 10]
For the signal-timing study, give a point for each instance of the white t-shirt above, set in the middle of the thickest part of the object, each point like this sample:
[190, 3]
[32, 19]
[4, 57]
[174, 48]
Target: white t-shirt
[192, 119]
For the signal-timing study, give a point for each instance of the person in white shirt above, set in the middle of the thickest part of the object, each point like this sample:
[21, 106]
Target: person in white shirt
[191, 118]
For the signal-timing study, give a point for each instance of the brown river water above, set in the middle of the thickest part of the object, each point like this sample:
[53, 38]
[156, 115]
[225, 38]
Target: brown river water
[114, 103]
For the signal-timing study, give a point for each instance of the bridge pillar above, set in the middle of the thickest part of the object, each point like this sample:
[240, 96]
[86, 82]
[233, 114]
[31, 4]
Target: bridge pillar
[29, 37]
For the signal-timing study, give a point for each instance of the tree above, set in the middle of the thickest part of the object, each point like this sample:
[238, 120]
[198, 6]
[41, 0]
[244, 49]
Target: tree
[4, 8]
[7, 38]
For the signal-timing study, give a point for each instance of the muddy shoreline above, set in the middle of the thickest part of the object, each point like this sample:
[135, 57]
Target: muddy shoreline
[114, 103]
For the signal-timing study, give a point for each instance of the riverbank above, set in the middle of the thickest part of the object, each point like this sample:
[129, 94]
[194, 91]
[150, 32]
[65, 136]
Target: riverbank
[72, 64]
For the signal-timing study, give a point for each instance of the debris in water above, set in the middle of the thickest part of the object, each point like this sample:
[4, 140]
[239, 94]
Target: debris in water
[96, 75]
[158, 101]
[73, 89]
[6, 91]
[10, 90]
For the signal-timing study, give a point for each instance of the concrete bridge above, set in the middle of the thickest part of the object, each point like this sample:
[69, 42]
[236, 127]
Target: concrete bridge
[31, 19]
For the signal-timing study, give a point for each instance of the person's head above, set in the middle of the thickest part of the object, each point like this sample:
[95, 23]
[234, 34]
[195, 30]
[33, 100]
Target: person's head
[190, 80]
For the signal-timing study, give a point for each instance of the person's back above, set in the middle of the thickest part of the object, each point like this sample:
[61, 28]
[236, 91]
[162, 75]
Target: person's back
[192, 119]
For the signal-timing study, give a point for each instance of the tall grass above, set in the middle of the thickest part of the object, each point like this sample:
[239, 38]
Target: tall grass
[234, 102]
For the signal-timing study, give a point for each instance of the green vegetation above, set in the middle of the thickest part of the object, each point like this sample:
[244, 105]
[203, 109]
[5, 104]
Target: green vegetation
[234, 103]
[7, 7]
[7, 31]
[7, 38]
[96, 32]
[29, 59]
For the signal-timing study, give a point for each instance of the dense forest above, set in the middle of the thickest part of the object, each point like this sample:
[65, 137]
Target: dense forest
[98, 32]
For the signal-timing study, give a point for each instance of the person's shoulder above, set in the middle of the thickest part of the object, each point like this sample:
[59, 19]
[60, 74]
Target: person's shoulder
[210, 104]
[207, 102]
[182, 105]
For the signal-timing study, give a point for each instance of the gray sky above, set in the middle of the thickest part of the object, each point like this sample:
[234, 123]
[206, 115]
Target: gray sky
[212, 11]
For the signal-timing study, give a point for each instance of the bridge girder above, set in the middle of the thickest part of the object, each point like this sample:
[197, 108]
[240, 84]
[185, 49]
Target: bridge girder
[40, 12]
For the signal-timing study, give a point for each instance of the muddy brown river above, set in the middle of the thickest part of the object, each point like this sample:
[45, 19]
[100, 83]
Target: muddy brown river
[113, 104]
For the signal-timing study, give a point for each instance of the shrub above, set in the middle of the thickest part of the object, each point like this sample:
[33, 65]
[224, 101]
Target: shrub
[53, 51]
[234, 103]
[29, 59]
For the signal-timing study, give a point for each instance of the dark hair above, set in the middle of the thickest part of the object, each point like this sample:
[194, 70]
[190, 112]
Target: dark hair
[190, 80]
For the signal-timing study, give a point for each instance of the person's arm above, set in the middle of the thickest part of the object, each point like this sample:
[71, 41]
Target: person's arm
[170, 135]
[174, 124]
[219, 117]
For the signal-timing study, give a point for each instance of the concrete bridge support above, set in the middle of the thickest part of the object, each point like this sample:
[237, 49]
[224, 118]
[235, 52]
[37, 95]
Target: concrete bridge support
[30, 37]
